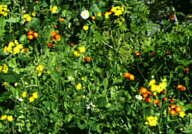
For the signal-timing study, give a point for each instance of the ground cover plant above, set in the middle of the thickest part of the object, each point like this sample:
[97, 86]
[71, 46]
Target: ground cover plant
[89, 66]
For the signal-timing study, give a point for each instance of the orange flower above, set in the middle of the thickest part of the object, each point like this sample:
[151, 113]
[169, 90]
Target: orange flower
[137, 53]
[178, 109]
[35, 34]
[148, 99]
[87, 59]
[172, 112]
[50, 44]
[53, 33]
[142, 90]
[186, 69]
[171, 100]
[30, 37]
[181, 87]
[55, 36]
[157, 102]
[129, 76]
[61, 19]
[93, 17]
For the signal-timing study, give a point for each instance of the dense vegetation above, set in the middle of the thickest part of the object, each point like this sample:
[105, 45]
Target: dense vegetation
[89, 66]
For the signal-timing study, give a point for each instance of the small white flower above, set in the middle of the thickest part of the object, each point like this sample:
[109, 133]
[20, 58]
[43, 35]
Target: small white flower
[20, 99]
[85, 14]
[90, 106]
[138, 97]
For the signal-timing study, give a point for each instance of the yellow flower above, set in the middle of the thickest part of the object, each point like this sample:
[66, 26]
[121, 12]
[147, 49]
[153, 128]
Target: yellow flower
[27, 18]
[158, 87]
[78, 86]
[11, 44]
[151, 121]
[120, 20]
[182, 114]
[54, 9]
[16, 50]
[3, 117]
[152, 82]
[31, 99]
[24, 94]
[10, 118]
[40, 68]
[82, 78]
[33, 14]
[76, 53]
[4, 10]
[99, 14]
[4, 68]
[82, 49]
[85, 27]
[107, 15]
[35, 95]
[117, 10]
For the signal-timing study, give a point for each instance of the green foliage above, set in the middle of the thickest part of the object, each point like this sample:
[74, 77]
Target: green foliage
[64, 78]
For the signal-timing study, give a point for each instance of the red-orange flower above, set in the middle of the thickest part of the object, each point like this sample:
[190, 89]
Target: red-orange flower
[181, 87]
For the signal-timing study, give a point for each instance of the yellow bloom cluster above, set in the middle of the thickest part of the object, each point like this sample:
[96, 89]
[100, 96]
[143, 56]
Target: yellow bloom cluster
[151, 121]
[182, 114]
[85, 27]
[120, 20]
[24, 94]
[78, 86]
[81, 49]
[4, 68]
[39, 69]
[117, 10]
[6, 117]
[107, 14]
[158, 87]
[27, 17]
[13, 47]
[4, 10]
[33, 97]
[54, 9]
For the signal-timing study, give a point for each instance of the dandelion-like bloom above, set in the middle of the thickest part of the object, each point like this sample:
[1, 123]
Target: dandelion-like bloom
[4, 10]
[35, 95]
[99, 14]
[107, 14]
[182, 114]
[85, 14]
[76, 53]
[117, 10]
[4, 68]
[54, 9]
[31, 99]
[10, 118]
[82, 49]
[85, 27]
[40, 68]
[152, 121]
[27, 18]
[158, 87]
[13, 47]
[3, 117]
[24, 94]
[78, 86]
